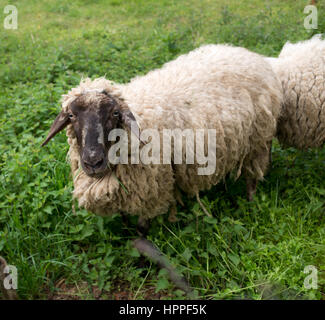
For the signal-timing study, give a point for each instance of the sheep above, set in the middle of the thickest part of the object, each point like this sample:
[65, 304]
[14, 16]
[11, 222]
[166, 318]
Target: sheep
[301, 69]
[228, 89]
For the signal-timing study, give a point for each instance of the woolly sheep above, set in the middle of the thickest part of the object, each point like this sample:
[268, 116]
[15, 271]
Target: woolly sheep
[301, 69]
[220, 87]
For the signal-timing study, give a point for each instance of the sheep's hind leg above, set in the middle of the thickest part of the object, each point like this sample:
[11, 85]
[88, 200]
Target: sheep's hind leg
[265, 159]
[148, 249]
[270, 156]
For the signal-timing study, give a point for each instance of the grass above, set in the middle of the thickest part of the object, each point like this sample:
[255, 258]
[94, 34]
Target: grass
[246, 250]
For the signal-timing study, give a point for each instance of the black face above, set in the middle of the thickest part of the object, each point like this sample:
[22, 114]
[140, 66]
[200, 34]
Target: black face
[93, 115]
[92, 120]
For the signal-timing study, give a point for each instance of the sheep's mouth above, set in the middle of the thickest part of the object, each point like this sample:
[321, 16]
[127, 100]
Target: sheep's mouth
[97, 175]
[97, 171]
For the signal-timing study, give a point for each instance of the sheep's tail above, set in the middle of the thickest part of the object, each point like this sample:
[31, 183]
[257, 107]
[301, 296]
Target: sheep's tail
[148, 249]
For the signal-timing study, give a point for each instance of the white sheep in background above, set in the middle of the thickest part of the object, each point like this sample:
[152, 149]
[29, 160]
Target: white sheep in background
[220, 87]
[301, 69]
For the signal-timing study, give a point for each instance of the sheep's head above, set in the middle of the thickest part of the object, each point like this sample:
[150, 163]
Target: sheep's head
[93, 115]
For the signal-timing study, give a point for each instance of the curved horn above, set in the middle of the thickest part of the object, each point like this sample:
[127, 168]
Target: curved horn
[60, 122]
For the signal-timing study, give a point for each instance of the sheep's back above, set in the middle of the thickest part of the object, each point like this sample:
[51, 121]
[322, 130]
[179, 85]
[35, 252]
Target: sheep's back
[225, 88]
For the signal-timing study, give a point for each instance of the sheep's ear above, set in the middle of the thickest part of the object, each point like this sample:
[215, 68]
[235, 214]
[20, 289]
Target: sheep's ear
[130, 121]
[60, 122]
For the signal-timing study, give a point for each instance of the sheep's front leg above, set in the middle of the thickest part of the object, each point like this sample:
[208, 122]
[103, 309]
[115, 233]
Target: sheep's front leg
[148, 249]
[143, 227]
[251, 185]
[173, 214]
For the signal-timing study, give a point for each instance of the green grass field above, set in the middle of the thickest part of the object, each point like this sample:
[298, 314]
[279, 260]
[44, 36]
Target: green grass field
[247, 250]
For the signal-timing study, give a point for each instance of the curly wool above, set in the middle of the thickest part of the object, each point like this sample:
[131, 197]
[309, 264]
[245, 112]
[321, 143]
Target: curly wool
[301, 70]
[221, 87]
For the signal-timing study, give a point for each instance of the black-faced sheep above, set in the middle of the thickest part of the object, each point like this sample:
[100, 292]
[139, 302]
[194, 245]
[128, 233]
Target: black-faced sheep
[226, 89]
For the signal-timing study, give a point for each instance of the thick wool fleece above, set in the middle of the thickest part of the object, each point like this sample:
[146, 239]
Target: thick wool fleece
[225, 88]
[301, 70]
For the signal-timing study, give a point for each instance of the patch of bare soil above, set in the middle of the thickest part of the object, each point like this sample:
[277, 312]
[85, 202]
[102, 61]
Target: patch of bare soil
[119, 291]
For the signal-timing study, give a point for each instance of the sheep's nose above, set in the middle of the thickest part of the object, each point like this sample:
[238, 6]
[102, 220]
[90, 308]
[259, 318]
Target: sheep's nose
[93, 159]
[93, 164]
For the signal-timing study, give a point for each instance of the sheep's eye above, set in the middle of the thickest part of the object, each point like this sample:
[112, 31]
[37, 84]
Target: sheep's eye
[116, 113]
[71, 116]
